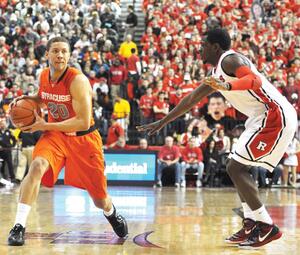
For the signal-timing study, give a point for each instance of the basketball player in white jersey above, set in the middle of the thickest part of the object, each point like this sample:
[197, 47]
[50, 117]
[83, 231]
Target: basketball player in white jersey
[270, 127]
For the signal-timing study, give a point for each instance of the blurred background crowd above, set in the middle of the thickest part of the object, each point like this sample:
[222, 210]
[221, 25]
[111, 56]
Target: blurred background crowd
[138, 80]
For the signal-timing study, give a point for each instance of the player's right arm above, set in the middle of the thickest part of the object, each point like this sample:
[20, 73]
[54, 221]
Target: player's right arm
[184, 105]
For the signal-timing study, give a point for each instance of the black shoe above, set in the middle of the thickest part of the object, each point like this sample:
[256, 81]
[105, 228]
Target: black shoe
[261, 235]
[16, 235]
[118, 223]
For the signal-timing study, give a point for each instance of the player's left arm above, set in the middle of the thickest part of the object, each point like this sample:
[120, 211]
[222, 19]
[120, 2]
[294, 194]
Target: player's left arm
[236, 66]
[81, 94]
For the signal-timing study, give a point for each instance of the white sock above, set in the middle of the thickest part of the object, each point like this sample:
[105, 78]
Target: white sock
[110, 212]
[22, 214]
[261, 214]
[248, 213]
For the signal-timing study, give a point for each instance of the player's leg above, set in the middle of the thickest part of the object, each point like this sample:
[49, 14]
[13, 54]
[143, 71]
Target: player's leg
[116, 220]
[28, 193]
[87, 171]
[48, 155]
[248, 224]
[265, 231]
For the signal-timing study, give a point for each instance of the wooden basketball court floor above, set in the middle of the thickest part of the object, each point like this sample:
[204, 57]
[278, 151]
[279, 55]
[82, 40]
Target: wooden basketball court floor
[161, 221]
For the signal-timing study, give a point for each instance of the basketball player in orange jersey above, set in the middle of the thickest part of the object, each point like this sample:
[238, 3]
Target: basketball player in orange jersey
[70, 139]
[270, 127]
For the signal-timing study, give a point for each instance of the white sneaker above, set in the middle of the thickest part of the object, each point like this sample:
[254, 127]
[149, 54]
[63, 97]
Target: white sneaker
[183, 184]
[198, 184]
[176, 184]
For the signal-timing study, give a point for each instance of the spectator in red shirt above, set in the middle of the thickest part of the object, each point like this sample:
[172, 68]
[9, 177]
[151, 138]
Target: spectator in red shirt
[16, 90]
[160, 109]
[168, 156]
[118, 74]
[115, 131]
[93, 79]
[134, 67]
[146, 106]
[178, 125]
[192, 158]
[121, 144]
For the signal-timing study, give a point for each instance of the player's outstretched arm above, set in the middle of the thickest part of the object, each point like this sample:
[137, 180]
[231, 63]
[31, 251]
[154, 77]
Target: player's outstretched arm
[185, 105]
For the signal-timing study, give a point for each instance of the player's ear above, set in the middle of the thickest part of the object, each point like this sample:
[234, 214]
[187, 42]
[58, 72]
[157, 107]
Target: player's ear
[215, 46]
[46, 54]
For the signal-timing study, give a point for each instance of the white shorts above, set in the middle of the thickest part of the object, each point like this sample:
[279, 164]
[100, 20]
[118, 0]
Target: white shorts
[266, 139]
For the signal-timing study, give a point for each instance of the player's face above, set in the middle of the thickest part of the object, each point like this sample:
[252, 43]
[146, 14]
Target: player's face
[206, 51]
[58, 55]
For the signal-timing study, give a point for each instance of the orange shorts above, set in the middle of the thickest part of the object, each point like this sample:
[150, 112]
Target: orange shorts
[82, 157]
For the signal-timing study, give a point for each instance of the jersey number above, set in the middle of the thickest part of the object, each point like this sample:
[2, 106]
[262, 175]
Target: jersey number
[58, 110]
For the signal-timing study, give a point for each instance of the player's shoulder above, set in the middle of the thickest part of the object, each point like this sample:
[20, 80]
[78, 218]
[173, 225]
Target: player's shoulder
[75, 75]
[235, 58]
[74, 71]
[45, 71]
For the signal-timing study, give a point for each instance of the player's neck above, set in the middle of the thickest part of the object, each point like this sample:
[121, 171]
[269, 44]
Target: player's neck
[55, 75]
[217, 58]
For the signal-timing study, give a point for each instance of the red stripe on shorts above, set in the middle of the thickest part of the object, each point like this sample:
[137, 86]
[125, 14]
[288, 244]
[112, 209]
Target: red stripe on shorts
[265, 139]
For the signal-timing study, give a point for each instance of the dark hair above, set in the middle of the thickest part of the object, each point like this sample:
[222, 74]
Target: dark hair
[216, 95]
[219, 36]
[133, 50]
[57, 39]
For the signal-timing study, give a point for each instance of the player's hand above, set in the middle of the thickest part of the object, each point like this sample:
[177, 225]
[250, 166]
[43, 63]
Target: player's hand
[14, 102]
[216, 83]
[151, 128]
[39, 124]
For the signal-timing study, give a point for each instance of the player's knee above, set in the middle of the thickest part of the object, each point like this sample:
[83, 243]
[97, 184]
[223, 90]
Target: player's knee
[38, 168]
[235, 169]
[230, 167]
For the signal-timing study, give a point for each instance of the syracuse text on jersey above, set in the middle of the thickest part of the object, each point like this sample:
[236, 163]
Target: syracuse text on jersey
[55, 97]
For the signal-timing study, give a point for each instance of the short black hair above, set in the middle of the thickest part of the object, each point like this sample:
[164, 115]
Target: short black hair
[133, 50]
[219, 36]
[57, 39]
[216, 95]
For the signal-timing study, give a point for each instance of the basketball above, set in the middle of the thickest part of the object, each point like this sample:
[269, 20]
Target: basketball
[22, 114]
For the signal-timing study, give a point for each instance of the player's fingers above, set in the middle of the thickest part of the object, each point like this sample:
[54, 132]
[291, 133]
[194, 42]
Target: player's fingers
[143, 128]
[36, 114]
[25, 129]
[154, 130]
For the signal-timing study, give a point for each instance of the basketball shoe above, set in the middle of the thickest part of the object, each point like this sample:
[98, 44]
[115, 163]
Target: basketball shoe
[243, 234]
[16, 235]
[118, 223]
[261, 235]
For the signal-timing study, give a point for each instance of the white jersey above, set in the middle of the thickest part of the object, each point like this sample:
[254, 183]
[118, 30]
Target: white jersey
[250, 102]
[271, 124]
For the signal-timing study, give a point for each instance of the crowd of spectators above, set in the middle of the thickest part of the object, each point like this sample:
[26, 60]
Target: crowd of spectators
[149, 80]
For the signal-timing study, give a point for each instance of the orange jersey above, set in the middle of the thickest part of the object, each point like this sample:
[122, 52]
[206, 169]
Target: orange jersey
[57, 95]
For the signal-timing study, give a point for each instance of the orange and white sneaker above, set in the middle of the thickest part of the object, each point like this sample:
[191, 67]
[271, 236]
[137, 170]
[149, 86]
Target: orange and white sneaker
[243, 234]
